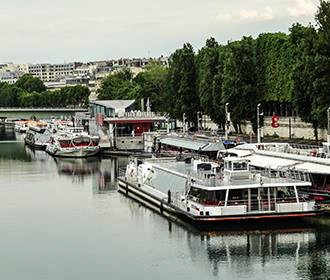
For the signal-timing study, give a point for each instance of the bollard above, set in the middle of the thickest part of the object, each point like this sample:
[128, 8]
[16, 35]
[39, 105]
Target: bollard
[169, 196]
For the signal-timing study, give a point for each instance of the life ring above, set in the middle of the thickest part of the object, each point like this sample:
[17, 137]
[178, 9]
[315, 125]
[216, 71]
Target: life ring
[138, 129]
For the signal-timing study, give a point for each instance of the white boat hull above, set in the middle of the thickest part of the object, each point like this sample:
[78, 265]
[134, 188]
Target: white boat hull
[75, 152]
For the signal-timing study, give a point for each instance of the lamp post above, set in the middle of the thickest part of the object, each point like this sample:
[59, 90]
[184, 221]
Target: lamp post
[227, 121]
[198, 121]
[328, 124]
[258, 123]
[184, 123]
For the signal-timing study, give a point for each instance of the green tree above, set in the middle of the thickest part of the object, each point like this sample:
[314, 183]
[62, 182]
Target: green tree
[239, 81]
[9, 95]
[322, 64]
[151, 84]
[207, 64]
[304, 75]
[117, 86]
[181, 81]
[30, 83]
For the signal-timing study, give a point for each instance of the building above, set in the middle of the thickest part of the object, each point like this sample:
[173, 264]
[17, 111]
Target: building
[51, 72]
[9, 73]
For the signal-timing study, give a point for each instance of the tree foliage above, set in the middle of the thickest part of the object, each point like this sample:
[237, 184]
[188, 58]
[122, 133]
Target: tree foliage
[182, 95]
[30, 84]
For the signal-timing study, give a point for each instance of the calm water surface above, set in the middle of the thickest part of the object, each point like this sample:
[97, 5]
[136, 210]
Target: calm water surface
[64, 219]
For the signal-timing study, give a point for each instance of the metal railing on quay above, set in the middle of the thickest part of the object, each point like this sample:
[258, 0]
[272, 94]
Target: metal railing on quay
[298, 149]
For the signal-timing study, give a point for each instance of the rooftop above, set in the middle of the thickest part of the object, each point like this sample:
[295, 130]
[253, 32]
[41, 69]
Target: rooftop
[114, 104]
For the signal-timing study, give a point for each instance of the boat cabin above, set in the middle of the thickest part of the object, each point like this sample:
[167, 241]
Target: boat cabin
[239, 191]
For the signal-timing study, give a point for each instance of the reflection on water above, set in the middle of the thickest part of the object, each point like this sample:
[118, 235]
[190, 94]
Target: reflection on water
[73, 203]
[292, 251]
[7, 134]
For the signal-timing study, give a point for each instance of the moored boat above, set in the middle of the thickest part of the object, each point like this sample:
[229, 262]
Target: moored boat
[38, 135]
[73, 143]
[199, 191]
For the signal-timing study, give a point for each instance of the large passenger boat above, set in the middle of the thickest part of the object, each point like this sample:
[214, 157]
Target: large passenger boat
[315, 160]
[201, 191]
[73, 143]
[38, 135]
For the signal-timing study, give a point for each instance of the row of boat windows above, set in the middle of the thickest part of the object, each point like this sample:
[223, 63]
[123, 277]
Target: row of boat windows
[214, 197]
[82, 141]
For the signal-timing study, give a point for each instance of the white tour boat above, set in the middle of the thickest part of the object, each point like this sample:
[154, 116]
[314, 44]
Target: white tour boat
[38, 135]
[73, 143]
[202, 192]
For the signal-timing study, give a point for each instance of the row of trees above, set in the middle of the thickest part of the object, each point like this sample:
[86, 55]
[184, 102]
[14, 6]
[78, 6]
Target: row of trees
[29, 91]
[289, 68]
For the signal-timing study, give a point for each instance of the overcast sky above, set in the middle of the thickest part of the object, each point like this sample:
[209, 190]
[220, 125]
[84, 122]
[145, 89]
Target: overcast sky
[38, 31]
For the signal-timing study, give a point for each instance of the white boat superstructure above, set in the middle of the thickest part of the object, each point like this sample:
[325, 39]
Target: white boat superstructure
[202, 192]
[73, 142]
[315, 160]
[21, 126]
[38, 135]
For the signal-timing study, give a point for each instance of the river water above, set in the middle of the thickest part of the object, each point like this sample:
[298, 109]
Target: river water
[64, 219]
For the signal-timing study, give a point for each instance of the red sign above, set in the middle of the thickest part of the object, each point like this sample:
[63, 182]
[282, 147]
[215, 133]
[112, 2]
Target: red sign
[275, 120]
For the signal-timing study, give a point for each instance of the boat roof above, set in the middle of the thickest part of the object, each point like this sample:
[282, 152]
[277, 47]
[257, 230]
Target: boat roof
[274, 163]
[192, 143]
[181, 169]
[313, 168]
[114, 104]
[237, 152]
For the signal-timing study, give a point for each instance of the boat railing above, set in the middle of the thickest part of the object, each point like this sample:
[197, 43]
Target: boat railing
[291, 173]
[178, 199]
[262, 204]
[212, 180]
[134, 114]
[297, 149]
[121, 171]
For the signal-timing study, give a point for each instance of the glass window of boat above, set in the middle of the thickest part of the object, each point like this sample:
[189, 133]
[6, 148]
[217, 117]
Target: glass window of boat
[64, 143]
[286, 193]
[240, 165]
[237, 195]
[81, 140]
[208, 197]
[95, 141]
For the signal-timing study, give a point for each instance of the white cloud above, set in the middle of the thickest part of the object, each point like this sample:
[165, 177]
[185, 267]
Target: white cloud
[224, 17]
[263, 14]
[302, 8]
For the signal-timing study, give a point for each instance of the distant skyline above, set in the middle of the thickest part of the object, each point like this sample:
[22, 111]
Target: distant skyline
[44, 31]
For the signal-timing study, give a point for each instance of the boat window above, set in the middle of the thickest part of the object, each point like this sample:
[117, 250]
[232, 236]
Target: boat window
[64, 143]
[95, 141]
[204, 166]
[285, 192]
[81, 140]
[228, 165]
[240, 165]
[237, 195]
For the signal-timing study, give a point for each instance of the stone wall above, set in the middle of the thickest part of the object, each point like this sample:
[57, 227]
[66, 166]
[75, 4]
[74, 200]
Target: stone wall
[299, 129]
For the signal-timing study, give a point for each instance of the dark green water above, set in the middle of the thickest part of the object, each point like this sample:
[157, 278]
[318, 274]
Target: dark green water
[65, 219]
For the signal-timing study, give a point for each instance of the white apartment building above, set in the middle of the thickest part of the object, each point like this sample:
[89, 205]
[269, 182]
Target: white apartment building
[51, 72]
[9, 73]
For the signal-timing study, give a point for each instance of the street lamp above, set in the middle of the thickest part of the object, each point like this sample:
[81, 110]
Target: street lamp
[184, 123]
[258, 123]
[328, 124]
[198, 121]
[227, 119]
